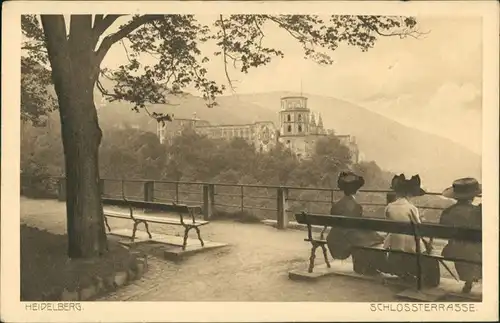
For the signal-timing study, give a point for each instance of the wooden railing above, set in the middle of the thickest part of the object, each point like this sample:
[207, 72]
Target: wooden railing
[269, 202]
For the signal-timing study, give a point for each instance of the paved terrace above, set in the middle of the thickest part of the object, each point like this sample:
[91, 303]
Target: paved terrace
[253, 268]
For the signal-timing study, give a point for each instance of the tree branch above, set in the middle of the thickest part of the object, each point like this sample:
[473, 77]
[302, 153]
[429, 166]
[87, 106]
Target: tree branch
[415, 33]
[108, 41]
[37, 48]
[98, 19]
[103, 91]
[298, 37]
[104, 23]
[125, 48]
[224, 53]
[79, 29]
[260, 32]
[150, 52]
[103, 73]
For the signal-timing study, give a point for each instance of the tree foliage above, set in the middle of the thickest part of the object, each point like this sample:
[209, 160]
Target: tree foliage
[174, 41]
[36, 98]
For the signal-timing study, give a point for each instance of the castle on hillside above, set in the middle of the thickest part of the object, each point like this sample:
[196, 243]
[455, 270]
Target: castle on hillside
[298, 130]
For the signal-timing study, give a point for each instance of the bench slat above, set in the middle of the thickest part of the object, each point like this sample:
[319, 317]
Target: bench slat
[116, 214]
[152, 219]
[316, 240]
[154, 206]
[424, 229]
[165, 220]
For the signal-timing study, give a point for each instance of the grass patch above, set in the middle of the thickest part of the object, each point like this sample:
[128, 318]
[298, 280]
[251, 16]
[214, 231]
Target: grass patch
[46, 269]
[239, 216]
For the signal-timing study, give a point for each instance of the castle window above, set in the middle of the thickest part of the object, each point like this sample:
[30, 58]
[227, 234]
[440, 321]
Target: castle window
[289, 128]
[288, 142]
[300, 128]
[300, 118]
[288, 118]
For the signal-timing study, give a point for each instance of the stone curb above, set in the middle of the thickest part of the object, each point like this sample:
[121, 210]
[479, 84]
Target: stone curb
[103, 285]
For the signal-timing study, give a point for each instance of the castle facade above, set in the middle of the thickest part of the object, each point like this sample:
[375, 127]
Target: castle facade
[298, 130]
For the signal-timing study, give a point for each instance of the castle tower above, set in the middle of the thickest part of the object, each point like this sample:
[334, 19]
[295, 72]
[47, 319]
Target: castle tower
[313, 119]
[294, 123]
[312, 125]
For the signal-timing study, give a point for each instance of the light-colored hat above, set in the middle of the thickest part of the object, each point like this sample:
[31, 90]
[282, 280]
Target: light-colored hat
[463, 189]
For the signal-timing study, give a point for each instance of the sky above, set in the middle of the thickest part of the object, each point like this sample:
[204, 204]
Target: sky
[432, 83]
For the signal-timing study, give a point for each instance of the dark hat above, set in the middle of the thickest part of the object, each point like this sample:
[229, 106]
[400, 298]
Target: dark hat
[390, 197]
[463, 189]
[411, 186]
[349, 180]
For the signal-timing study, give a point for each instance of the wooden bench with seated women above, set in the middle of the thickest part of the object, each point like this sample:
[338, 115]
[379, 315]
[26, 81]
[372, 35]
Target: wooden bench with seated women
[180, 209]
[389, 226]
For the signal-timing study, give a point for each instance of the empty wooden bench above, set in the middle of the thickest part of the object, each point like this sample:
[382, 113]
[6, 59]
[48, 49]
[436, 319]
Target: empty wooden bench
[417, 230]
[180, 209]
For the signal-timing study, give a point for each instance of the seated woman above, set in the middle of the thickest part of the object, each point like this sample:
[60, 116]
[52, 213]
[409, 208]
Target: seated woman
[340, 241]
[464, 214]
[405, 265]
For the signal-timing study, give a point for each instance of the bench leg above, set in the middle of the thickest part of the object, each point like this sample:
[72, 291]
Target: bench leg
[106, 223]
[184, 243]
[147, 230]
[325, 254]
[311, 259]
[136, 223]
[199, 236]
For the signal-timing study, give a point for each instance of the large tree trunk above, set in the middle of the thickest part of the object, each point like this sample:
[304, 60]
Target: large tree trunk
[74, 75]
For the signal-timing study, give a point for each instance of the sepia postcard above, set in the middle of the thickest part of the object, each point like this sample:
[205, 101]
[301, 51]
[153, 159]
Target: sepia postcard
[249, 161]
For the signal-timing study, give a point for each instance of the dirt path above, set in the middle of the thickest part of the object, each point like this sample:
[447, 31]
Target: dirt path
[253, 268]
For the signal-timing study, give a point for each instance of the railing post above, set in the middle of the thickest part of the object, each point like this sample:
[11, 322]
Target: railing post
[331, 199]
[149, 191]
[176, 192]
[242, 198]
[282, 215]
[207, 201]
[211, 194]
[61, 191]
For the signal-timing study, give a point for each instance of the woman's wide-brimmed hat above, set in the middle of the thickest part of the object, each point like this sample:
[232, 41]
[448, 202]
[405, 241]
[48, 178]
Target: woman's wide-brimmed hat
[408, 186]
[463, 188]
[349, 180]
